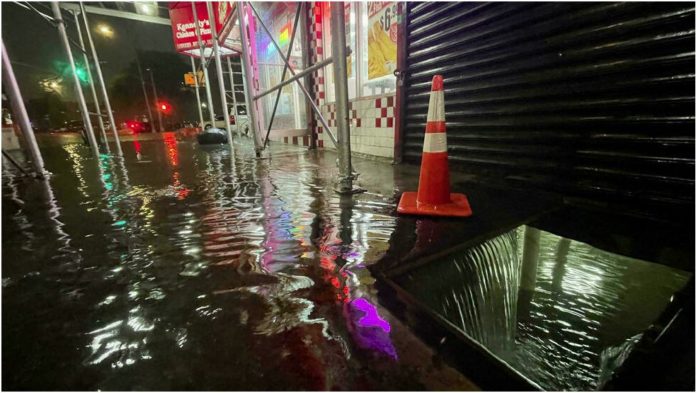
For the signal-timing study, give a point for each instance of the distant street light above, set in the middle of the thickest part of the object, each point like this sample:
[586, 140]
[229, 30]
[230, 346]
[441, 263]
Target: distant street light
[146, 7]
[204, 105]
[52, 85]
[105, 30]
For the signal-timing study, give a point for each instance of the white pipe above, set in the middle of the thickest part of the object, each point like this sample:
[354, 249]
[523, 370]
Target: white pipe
[97, 67]
[20, 111]
[78, 89]
[198, 93]
[211, 110]
[218, 68]
[91, 84]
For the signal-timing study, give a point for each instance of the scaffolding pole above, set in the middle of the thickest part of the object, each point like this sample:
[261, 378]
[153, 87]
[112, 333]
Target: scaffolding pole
[78, 89]
[91, 83]
[296, 77]
[100, 77]
[285, 69]
[234, 93]
[20, 111]
[201, 49]
[338, 52]
[218, 69]
[198, 93]
[248, 81]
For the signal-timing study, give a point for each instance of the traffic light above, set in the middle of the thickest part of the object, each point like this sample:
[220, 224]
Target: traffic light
[164, 107]
[81, 73]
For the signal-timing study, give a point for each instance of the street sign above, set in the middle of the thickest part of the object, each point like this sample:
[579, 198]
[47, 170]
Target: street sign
[190, 81]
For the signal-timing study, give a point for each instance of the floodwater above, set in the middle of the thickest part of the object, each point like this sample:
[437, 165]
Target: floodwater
[558, 311]
[184, 267]
[200, 268]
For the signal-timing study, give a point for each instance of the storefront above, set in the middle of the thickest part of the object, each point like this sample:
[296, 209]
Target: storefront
[290, 118]
[371, 31]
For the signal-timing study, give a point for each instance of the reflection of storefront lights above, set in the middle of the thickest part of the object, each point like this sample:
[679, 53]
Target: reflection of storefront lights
[284, 36]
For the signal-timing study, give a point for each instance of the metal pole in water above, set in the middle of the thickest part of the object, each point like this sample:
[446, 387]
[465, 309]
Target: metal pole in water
[234, 93]
[209, 97]
[218, 68]
[97, 108]
[17, 103]
[100, 77]
[78, 89]
[248, 77]
[198, 93]
[338, 53]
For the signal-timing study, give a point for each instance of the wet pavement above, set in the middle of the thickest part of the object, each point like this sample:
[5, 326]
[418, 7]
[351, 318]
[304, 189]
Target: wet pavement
[187, 267]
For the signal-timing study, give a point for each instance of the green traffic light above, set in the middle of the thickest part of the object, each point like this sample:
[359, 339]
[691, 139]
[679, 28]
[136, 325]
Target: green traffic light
[80, 70]
[82, 74]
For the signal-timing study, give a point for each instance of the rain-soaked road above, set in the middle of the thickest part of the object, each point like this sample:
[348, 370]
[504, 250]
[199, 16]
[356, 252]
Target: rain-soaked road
[185, 267]
[193, 268]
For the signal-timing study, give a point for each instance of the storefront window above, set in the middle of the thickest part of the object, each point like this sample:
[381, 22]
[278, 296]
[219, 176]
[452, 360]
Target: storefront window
[279, 18]
[350, 42]
[371, 33]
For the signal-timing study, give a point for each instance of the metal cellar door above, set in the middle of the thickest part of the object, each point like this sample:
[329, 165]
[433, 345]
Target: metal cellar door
[594, 101]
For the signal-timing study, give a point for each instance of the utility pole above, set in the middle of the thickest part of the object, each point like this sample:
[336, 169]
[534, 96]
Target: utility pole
[20, 111]
[154, 93]
[100, 77]
[97, 108]
[78, 89]
[142, 84]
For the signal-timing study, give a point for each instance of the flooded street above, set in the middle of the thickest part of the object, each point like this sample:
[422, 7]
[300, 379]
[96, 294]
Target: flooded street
[184, 267]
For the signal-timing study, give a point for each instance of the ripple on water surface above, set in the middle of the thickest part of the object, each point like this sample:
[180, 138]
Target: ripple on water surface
[188, 268]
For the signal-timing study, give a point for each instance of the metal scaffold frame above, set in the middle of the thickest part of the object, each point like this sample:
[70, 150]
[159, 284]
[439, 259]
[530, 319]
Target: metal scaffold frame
[245, 13]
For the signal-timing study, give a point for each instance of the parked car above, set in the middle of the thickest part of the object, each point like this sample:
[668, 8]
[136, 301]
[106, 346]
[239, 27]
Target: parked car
[138, 127]
[238, 125]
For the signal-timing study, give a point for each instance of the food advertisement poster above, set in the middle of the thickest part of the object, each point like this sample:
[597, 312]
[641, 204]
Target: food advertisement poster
[381, 39]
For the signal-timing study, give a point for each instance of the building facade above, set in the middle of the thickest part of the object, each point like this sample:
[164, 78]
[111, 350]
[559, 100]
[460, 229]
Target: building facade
[371, 31]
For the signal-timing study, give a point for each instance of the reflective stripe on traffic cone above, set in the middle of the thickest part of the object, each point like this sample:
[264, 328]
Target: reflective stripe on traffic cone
[433, 197]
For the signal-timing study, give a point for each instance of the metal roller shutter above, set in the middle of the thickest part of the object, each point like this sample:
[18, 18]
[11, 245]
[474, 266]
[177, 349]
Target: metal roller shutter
[591, 100]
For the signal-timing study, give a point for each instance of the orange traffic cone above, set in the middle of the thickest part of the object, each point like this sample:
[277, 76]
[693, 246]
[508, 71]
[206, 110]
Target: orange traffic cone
[433, 197]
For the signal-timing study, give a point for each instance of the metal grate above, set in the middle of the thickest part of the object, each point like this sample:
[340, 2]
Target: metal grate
[591, 100]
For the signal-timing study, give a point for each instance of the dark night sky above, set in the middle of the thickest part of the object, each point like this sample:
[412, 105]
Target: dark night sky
[31, 40]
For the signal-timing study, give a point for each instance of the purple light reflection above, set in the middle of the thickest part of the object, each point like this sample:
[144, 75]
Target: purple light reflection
[371, 318]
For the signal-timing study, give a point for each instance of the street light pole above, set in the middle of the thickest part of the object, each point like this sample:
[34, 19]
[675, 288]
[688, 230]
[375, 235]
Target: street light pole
[97, 67]
[78, 89]
[154, 93]
[15, 96]
[91, 83]
[218, 68]
[198, 93]
[211, 110]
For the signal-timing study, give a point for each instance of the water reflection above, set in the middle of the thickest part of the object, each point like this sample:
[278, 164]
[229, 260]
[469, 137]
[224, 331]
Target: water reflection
[547, 305]
[196, 261]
